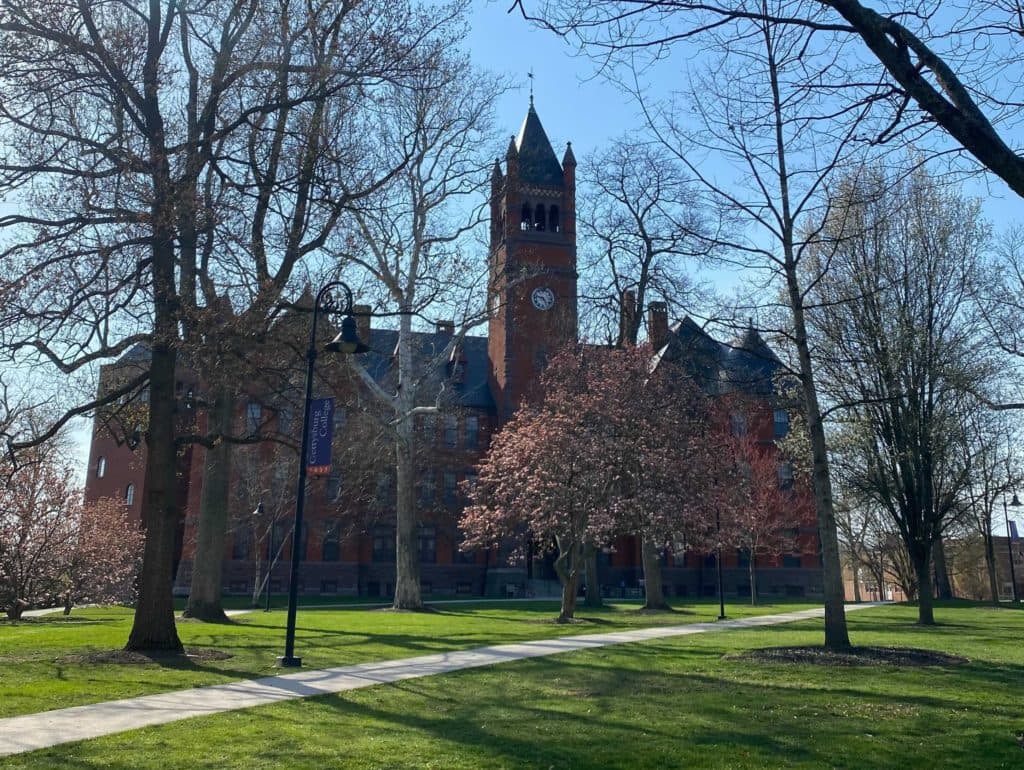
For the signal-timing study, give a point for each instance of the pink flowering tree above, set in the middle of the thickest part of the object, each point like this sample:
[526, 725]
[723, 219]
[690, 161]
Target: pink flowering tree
[612, 449]
[546, 476]
[666, 450]
[52, 548]
[103, 558]
[762, 503]
[38, 505]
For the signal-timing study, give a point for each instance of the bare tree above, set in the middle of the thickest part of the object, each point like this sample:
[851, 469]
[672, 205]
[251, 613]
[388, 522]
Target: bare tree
[901, 348]
[985, 444]
[642, 225]
[412, 238]
[124, 123]
[763, 124]
[281, 185]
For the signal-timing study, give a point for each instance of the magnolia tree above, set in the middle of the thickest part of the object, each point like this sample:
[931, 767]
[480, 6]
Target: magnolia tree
[613, 449]
[545, 475]
[667, 449]
[765, 502]
[54, 549]
[37, 507]
[102, 559]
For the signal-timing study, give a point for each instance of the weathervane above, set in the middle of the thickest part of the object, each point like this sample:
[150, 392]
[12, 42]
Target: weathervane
[530, 75]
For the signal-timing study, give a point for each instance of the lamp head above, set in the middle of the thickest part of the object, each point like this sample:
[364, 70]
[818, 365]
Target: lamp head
[347, 342]
[1015, 502]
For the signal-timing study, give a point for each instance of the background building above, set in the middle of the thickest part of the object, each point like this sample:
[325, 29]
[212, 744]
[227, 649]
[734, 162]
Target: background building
[348, 542]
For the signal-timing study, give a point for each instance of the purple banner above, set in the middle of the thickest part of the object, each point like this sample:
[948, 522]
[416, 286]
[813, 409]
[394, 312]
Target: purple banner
[1013, 531]
[321, 434]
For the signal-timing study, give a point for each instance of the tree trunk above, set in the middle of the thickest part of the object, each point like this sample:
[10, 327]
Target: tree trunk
[153, 627]
[943, 587]
[753, 579]
[990, 568]
[879, 570]
[567, 567]
[407, 563]
[16, 608]
[204, 598]
[653, 587]
[922, 568]
[836, 635]
[855, 570]
[591, 577]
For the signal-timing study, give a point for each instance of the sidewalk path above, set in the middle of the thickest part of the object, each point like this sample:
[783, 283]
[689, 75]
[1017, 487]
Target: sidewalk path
[51, 728]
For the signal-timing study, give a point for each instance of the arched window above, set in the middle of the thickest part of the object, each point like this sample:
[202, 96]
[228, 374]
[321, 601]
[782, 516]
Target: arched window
[129, 494]
[541, 221]
[101, 467]
[526, 219]
[553, 223]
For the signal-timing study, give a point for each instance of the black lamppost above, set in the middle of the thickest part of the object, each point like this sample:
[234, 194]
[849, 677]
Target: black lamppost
[347, 342]
[718, 564]
[1014, 503]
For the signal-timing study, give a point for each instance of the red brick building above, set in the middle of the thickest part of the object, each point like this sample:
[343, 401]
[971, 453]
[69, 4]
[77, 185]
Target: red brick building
[348, 546]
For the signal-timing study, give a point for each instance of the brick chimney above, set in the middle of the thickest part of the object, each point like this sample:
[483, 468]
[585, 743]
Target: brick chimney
[362, 316]
[657, 324]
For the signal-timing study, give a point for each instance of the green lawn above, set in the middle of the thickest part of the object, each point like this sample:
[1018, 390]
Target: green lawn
[39, 670]
[676, 703]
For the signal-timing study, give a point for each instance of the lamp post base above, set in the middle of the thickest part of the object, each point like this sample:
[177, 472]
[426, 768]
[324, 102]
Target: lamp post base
[289, 662]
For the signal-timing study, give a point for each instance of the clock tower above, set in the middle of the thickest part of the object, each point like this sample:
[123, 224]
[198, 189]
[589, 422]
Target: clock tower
[532, 282]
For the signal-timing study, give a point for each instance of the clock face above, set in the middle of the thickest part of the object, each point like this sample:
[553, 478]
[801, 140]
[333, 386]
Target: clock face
[543, 298]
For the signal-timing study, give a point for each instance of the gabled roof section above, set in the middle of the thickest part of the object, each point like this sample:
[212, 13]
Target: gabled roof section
[746, 365]
[695, 351]
[752, 342]
[465, 377]
[538, 163]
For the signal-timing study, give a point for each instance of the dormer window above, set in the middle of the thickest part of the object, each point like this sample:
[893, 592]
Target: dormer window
[781, 423]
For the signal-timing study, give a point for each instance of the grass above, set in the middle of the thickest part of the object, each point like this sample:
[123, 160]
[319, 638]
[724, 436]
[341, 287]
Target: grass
[280, 601]
[684, 702]
[39, 670]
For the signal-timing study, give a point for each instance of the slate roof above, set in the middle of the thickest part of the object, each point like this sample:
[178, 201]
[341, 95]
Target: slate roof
[538, 163]
[469, 388]
[746, 364]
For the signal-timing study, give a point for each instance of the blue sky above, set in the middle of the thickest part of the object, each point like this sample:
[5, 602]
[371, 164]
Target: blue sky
[576, 106]
[573, 108]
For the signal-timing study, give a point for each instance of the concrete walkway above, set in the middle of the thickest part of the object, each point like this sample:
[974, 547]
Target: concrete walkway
[51, 728]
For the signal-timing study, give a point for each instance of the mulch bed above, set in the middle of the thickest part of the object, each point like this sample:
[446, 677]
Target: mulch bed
[127, 656]
[854, 656]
